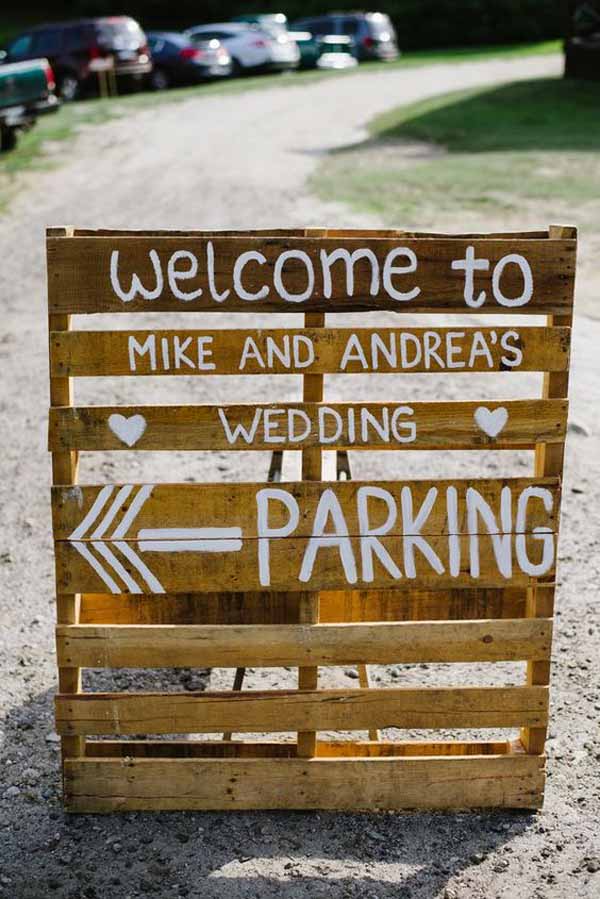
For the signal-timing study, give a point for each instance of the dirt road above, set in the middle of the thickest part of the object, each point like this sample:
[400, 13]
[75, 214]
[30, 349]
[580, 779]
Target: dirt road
[242, 161]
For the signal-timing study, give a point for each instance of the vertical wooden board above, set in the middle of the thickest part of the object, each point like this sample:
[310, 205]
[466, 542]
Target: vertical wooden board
[549, 460]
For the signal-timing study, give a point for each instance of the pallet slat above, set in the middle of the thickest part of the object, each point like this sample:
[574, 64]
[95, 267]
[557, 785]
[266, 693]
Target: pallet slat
[343, 426]
[186, 506]
[301, 710]
[222, 646]
[204, 570]
[79, 275]
[278, 351]
[268, 607]
[105, 785]
[262, 749]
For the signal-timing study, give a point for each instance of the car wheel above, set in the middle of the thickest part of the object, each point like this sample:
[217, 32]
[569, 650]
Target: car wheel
[159, 80]
[8, 139]
[68, 87]
[237, 68]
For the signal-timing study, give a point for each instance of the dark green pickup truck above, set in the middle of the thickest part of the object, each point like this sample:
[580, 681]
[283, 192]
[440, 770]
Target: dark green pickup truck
[26, 91]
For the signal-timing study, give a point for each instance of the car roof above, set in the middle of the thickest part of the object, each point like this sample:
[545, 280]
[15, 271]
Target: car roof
[229, 26]
[176, 36]
[74, 23]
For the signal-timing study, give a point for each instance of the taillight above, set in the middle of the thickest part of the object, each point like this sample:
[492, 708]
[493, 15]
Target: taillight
[368, 41]
[50, 81]
[190, 53]
[94, 52]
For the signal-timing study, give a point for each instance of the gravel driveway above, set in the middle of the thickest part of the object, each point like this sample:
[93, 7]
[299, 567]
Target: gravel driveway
[242, 161]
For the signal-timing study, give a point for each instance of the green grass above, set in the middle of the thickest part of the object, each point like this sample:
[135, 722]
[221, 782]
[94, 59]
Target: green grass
[64, 125]
[523, 149]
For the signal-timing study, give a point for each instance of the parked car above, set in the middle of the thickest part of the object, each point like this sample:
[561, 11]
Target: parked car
[372, 33]
[251, 48]
[26, 91]
[309, 48]
[177, 60]
[74, 50]
[335, 52]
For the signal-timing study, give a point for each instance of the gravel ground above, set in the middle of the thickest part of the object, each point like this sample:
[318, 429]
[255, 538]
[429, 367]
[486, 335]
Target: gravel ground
[242, 161]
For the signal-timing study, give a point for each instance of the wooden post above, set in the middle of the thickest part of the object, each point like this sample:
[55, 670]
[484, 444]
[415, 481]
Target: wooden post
[549, 459]
[308, 606]
[64, 471]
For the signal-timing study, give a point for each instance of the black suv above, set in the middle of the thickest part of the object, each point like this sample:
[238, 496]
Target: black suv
[372, 33]
[78, 50]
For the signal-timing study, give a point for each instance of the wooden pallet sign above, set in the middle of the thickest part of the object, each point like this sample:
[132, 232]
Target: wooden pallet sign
[320, 571]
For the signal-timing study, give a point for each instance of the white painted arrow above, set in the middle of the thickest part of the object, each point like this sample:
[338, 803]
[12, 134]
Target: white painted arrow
[190, 540]
[171, 540]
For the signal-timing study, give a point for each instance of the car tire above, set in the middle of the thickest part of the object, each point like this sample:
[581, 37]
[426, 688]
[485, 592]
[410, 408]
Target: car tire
[159, 80]
[8, 139]
[237, 69]
[69, 87]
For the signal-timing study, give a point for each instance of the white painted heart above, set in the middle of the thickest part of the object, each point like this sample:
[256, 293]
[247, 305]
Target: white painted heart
[491, 422]
[128, 430]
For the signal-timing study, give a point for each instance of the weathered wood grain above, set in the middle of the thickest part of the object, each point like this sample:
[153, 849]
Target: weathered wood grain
[301, 710]
[206, 571]
[79, 274]
[251, 352]
[437, 426]
[267, 607]
[108, 785]
[211, 646]
[220, 749]
[223, 505]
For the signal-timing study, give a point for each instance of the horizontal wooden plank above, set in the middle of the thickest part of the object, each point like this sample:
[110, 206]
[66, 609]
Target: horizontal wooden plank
[301, 564]
[298, 710]
[269, 607]
[299, 274]
[134, 784]
[142, 511]
[296, 232]
[308, 351]
[263, 749]
[512, 424]
[211, 646]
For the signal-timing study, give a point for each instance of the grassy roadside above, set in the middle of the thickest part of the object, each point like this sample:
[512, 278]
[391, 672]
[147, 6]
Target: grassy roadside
[31, 154]
[524, 148]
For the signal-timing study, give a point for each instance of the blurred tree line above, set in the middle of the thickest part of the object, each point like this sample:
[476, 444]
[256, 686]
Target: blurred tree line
[420, 23]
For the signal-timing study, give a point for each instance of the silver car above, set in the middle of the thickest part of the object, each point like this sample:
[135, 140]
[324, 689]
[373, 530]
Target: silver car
[250, 48]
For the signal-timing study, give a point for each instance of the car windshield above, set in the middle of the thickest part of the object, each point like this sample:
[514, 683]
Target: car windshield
[121, 34]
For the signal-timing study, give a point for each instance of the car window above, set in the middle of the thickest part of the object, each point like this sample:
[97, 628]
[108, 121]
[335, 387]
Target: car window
[156, 44]
[321, 26]
[120, 35]
[75, 39]
[206, 35]
[349, 27]
[48, 43]
[21, 46]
